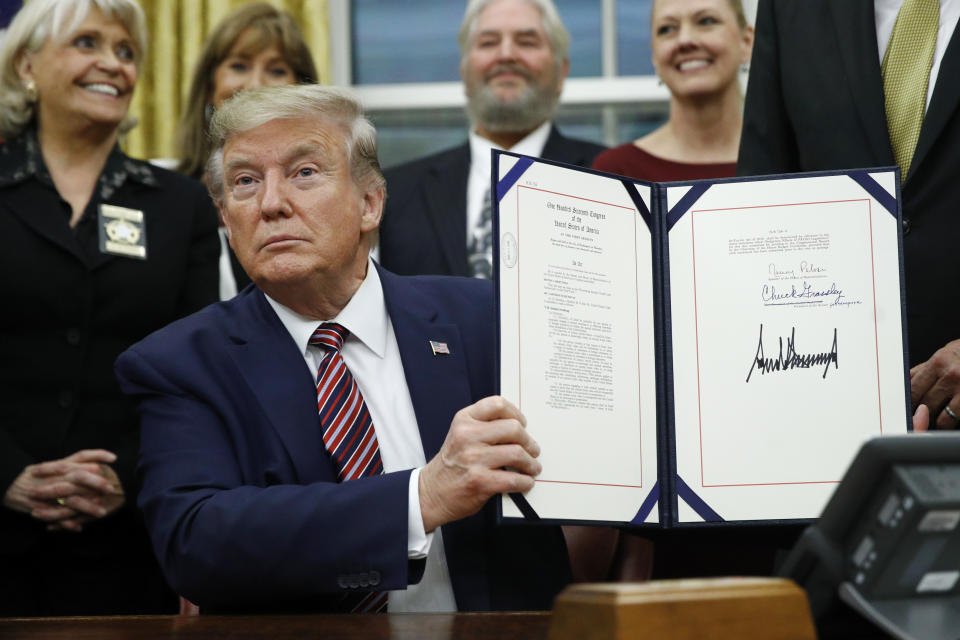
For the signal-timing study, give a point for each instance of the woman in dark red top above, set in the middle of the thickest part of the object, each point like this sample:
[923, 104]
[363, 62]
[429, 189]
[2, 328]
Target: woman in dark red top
[697, 47]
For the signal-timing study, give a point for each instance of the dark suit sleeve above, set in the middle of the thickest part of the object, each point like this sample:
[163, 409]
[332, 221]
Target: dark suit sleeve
[227, 539]
[768, 143]
[13, 460]
[201, 286]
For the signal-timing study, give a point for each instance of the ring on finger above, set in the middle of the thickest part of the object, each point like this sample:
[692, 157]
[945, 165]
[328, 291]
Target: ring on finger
[61, 502]
[950, 413]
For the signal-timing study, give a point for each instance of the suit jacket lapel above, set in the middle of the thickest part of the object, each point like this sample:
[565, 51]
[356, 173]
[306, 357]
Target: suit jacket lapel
[943, 103]
[556, 148]
[270, 363]
[856, 37]
[439, 384]
[445, 197]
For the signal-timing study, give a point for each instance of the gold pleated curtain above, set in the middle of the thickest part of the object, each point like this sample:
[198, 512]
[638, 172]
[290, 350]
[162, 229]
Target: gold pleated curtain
[177, 29]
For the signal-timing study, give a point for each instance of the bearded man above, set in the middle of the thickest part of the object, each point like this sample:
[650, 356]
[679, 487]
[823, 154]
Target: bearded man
[513, 61]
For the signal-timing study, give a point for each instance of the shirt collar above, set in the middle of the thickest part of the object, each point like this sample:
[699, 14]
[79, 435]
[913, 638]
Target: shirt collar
[365, 316]
[21, 159]
[530, 145]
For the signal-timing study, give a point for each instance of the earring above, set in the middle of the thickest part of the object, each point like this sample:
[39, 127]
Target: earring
[31, 89]
[745, 67]
[208, 111]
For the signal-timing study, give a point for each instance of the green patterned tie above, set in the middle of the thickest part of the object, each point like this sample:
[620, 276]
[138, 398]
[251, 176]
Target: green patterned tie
[906, 72]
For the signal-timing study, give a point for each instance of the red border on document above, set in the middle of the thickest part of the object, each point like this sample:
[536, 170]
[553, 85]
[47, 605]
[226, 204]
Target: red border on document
[637, 319]
[697, 330]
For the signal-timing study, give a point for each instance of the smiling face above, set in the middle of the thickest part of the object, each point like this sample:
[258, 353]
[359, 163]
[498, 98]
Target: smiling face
[87, 77]
[698, 46]
[247, 66]
[510, 73]
[293, 211]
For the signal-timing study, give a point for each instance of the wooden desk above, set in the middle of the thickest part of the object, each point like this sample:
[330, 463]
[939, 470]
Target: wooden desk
[396, 626]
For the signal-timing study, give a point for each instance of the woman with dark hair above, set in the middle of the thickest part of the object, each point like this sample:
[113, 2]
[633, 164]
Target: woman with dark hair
[97, 251]
[257, 45]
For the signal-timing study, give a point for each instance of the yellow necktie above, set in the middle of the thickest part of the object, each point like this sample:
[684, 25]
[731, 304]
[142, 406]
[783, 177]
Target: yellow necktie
[906, 72]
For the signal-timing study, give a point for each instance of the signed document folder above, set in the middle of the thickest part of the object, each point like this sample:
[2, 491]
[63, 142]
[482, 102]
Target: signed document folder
[700, 352]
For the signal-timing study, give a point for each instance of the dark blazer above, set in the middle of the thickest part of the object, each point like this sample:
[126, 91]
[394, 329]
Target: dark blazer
[424, 227]
[241, 498]
[815, 101]
[69, 311]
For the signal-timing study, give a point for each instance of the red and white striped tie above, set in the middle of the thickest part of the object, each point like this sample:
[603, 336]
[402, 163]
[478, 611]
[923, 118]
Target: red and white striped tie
[348, 432]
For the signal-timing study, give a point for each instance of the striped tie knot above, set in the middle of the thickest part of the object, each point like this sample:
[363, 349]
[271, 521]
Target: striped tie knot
[329, 335]
[347, 427]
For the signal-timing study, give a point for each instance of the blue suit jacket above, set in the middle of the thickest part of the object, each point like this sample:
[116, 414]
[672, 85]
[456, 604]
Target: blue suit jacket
[240, 496]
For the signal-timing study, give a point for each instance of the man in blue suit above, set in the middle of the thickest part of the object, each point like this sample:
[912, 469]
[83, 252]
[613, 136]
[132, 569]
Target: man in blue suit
[247, 508]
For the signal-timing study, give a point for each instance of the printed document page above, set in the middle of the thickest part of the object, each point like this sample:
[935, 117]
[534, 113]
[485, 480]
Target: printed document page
[577, 340]
[787, 340]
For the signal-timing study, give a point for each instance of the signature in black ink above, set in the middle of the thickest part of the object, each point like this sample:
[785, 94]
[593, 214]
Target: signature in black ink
[805, 292]
[792, 359]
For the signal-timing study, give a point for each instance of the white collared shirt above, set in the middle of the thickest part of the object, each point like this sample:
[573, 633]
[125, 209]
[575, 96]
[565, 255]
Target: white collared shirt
[479, 181]
[373, 357]
[885, 14]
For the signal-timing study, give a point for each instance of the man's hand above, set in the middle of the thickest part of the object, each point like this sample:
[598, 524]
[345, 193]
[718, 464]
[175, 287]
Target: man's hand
[936, 383]
[921, 418]
[487, 451]
[68, 492]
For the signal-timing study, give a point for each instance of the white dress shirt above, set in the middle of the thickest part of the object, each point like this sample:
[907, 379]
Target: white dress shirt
[885, 14]
[479, 180]
[373, 357]
[228, 283]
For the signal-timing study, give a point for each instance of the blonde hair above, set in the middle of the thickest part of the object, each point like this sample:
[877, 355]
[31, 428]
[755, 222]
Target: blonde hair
[736, 5]
[340, 107]
[272, 27]
[37, 23]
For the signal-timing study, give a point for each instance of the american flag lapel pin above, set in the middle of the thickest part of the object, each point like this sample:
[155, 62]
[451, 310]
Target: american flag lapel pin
[439, 348]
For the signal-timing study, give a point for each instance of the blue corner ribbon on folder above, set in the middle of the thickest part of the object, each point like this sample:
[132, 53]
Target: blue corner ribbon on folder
[517, 170]
[648, 503]
[878, 193]
[638, 202]
[688, 200]
[696, 503]
[524, 506]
